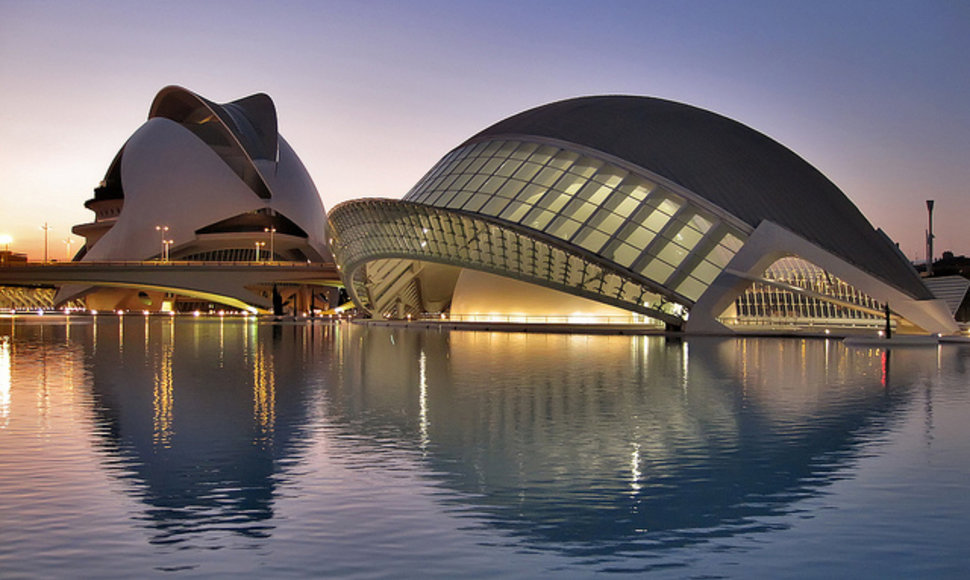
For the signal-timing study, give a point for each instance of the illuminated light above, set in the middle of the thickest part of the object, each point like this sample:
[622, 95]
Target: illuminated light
[442, 315]
[145, 312]
[40, 312]
[424, 243]
[881, 333]
[66, 311]
[827, 331]
[196, 314]
[171, 313]
[120, 312]
[222, 313]
[94, 313]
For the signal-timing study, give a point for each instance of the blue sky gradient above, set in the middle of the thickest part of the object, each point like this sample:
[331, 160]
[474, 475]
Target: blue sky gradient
[372, 94]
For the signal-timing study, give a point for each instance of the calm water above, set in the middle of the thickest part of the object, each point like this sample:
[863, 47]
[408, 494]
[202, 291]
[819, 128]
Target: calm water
[158, 447]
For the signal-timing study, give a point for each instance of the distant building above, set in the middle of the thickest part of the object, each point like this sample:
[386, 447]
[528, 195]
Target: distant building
[627, 209]
[8, 257]
[200, 181]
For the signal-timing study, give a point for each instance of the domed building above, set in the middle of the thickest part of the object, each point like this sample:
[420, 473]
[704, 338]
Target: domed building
[201, 181]
[626, 209]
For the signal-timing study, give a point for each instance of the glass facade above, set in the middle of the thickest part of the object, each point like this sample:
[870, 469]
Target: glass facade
[588, 203]
[823, 298]
[370, 234]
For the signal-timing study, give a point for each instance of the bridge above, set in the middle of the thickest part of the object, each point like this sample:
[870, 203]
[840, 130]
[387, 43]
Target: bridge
[244, 285]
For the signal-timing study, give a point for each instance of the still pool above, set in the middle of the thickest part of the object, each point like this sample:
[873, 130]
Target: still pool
[140, 447]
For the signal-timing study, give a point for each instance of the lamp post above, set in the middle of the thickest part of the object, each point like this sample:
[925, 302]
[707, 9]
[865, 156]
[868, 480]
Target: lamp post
[46, 229]
[166, 244]
[258, 246]
[272, 242]
[162, 230]
[67, 244]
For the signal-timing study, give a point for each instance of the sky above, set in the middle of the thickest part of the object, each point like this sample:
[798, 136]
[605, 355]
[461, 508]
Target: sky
[370, 94]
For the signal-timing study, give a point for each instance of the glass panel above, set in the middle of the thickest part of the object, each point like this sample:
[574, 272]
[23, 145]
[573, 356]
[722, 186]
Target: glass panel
[563, 159]
[570, 184]
[579, 210]
[475, 149]
[515, 211]
[688, 237]
[508, 167]
[706, 272]
[554, 201]
[510, 188]
[720, 256]
[531, 194]
[670, 206]
[527, 171]
[656, 221]
[494, 206]
[459, 199]
[636, 236]
[506, 149]
[636, 188]
[672, 253]
[657, 271]
[562, 227]
[491, 165]
[692, 288]
[594, 192]
[538, 218]
[491, 148]
[547, 176]
[591, 239]
[623, 254]
[610, 176]
[476, 165]
[524, 151]
[732, 242]
[475, 182]
[585, 167]
[492, 184]
[543, 154]
[607, 222]
[701, 223]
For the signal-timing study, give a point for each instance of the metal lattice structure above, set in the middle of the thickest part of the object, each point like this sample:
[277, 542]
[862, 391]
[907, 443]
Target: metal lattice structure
[370, 233]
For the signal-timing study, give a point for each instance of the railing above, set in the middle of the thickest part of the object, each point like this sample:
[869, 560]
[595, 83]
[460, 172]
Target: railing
[530, 319]
[168, 264]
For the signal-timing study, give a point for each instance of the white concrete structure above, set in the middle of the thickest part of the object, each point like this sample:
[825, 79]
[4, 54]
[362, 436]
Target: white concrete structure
[657, 208]
[202, 181]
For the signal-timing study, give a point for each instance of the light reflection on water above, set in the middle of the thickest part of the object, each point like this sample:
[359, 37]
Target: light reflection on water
[206, 447]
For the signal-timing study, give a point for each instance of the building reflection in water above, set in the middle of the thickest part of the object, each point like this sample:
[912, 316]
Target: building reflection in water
[590, 442]
[587, 444]
[192, 419]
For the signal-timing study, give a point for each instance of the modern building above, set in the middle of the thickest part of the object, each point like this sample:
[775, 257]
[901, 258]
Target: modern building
[201, 181]
[627, 209]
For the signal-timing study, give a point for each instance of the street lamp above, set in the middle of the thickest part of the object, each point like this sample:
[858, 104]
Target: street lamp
[46, 229]
[272, 242]
[166, 244]
[67, 244]
[258, 246]
[162, 230]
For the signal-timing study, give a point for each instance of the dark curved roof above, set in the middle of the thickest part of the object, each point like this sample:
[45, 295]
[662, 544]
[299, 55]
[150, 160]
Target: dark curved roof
[731, 165]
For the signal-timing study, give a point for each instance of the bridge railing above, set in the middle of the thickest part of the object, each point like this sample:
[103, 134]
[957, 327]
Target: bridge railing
[168, 264]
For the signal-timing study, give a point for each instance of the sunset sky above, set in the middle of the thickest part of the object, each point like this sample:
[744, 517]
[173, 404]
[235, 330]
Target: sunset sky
[875, 94]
